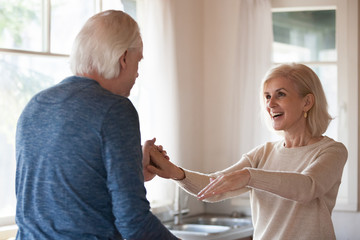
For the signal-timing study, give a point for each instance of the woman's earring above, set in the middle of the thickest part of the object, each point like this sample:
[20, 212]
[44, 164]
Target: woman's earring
[305, 114]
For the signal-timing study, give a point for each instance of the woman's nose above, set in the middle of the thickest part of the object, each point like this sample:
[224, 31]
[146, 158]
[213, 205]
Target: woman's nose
[271, 102]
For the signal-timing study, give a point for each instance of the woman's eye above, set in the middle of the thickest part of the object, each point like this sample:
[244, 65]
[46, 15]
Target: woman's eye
[281, 94]
[267, 97]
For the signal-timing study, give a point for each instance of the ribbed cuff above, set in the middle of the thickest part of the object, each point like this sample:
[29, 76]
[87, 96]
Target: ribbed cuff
[262, 179]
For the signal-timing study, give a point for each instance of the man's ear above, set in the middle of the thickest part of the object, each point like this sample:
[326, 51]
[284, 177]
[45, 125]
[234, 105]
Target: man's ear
[122, 60]
[309, 101]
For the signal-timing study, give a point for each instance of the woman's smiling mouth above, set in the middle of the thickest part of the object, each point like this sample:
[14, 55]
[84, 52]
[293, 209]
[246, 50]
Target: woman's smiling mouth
[276, 115]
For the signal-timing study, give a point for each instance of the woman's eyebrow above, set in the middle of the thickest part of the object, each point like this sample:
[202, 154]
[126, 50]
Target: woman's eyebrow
[280, 89]
[277, 90]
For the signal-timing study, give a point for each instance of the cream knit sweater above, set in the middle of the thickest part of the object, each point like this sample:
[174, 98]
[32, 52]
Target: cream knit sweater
[292, 190]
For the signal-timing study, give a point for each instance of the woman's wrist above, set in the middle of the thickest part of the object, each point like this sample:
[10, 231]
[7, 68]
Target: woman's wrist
[180, 175]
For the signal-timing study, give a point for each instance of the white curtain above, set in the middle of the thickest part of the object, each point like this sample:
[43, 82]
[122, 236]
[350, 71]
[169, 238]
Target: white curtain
[199, 80]
[156, 91]
[238, 40]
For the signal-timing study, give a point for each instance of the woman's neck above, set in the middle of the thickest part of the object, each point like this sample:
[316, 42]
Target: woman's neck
[300, 140]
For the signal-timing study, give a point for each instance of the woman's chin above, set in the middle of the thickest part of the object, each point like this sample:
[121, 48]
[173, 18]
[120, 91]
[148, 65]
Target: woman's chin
[277, 127]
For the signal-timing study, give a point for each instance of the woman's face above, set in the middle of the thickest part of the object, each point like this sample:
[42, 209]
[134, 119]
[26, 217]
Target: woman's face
[284, 105]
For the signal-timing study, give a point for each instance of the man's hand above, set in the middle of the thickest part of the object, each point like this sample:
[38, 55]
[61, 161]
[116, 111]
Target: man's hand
[146, 159]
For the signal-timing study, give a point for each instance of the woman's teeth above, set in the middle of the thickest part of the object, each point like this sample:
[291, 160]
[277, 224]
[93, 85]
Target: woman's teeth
[274, 115]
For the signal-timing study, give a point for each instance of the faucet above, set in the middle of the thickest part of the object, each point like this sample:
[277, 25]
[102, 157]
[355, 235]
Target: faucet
[179, 211]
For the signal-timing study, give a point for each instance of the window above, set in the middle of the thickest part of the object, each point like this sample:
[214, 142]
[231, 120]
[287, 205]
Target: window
[308, 37]
[321, 35]
[35, 40]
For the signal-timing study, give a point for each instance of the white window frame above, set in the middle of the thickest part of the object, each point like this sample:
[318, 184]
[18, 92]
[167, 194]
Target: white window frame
[347, 43]
[46, 32]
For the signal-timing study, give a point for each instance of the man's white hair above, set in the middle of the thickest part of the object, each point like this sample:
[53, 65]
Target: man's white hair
[102, 41]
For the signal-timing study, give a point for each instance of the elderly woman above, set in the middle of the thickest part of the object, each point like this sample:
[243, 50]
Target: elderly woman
[293, 182]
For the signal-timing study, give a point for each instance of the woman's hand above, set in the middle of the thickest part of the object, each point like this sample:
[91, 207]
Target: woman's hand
[225, 183]
[161, 166]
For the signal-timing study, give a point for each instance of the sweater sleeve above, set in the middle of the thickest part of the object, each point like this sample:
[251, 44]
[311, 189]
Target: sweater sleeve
[123, 162]
[315, 180]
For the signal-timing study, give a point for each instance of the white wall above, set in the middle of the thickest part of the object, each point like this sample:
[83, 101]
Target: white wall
[347, 225]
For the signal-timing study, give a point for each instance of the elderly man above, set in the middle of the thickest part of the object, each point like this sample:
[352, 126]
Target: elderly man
[78, 149]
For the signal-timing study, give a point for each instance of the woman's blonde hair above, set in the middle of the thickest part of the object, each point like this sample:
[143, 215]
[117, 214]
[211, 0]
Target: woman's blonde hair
[102, 41]
[306, 81]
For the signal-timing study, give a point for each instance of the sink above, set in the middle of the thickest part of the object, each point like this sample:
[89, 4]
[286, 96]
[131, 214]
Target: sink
[201, 229]
[222, 221]
[212, 227]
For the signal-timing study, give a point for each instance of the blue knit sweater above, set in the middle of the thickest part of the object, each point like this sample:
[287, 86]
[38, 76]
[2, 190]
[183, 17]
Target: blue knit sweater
[79, 167]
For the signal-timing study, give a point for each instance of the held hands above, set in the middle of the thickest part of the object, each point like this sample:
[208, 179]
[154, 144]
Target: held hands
[156, 162]
[161, 166]
[225, 183]
[147, 160]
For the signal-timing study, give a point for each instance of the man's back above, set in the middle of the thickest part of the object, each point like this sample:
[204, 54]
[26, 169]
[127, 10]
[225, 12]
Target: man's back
[79, 173]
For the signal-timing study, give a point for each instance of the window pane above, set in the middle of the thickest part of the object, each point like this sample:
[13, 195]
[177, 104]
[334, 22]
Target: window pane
[67, 18]
[112, 4]
[20, 25]
[304, 36]
[128, 6]
[22, 77]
